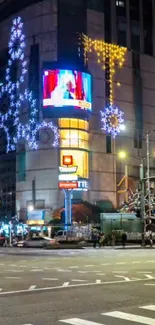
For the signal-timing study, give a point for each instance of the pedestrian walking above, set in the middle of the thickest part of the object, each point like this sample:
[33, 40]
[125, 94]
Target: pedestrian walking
[124, 239]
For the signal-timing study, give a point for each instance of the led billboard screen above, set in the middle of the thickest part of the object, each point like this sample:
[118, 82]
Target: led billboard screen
[66, 91]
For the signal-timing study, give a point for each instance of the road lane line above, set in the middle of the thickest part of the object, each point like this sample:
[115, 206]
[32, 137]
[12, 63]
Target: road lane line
[124, 277]
[144, 272]
[79, 321]
[37, 270]
[78, 280]
[32, 288]
[136, 262]
[90, 265]
[65, 284]
[121, 263]
[106, 264]
[98, 281]
[71, 286]
[73, 267]
[151, 307]
[12, 277]
[120, 271]
[131, 317]
[149, 276]
[49, 279]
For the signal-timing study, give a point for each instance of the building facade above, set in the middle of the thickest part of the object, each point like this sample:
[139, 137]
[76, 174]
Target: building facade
[52, 29]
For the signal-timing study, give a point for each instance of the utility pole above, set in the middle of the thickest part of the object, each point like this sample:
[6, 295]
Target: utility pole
[148, 170]
[142, 187]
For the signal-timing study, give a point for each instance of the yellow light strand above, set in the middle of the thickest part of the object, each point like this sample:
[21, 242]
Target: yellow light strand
[112, 52]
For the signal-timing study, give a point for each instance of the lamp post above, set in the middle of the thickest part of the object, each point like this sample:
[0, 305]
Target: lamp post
[148, 168]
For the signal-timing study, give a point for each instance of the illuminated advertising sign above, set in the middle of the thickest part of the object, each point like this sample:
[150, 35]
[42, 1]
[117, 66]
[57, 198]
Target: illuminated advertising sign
[64, 90]
[67, 160]
[68, 177]
[68, 185]
[68, 170]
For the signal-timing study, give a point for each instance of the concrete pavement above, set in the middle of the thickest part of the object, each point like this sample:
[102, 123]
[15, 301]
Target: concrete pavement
[77, 288]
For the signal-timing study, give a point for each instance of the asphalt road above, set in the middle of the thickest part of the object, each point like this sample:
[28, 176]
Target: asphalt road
[77, 287]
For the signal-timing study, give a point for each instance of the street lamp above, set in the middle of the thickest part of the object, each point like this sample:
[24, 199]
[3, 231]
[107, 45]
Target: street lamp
[30, 208]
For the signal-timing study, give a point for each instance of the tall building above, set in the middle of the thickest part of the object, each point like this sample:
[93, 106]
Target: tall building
[53, 29]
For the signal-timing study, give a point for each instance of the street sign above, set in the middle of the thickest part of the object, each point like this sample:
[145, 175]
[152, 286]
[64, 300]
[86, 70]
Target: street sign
[68, 177]
[69, 170]
[68, 185]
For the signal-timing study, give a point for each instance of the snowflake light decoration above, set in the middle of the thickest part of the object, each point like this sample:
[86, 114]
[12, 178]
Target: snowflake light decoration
[18, 95]
[112, 120]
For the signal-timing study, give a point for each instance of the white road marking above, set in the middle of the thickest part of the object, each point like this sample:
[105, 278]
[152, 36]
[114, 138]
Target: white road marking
[70, 286]
[98, 281]
[22, 266]
[149, 276]
[83, 272]
[151, 307]
[12, 277]
[49, 279]
[136, 262]
[100, 274]
[32, 287]
[124, 277]
[91, 265]
[65, 284]
[78, 321]
[106, 264]
[144, 272]
[14, 271]
[121, 263]
[37, 270]
[149, 284]
[78, 280]
[73, 267]
[13, 265]
[131, 317]
[61, 270]
[150, 261]
[120, 271]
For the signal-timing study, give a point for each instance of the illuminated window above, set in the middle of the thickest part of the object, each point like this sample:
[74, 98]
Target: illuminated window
[64, 123]
[80, 159]
[73, 123]
[74, 139]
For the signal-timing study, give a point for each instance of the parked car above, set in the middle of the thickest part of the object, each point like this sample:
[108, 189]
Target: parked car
[36, 242]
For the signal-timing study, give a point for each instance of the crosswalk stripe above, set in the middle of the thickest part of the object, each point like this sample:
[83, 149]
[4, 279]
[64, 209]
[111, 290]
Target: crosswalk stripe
[151, 307]
[79, 321]
[131, 317]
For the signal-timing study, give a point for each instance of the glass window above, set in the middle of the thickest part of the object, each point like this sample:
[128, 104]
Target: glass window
[64, 122]
[64, 138]
[86, 125]
[74, 123]
[80, 159]
[74, 139]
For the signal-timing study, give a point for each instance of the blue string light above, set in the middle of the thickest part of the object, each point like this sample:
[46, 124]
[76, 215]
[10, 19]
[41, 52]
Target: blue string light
[18, 96]
[112, 120]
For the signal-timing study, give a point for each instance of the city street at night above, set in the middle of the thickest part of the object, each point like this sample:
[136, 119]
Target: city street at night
[79, 287]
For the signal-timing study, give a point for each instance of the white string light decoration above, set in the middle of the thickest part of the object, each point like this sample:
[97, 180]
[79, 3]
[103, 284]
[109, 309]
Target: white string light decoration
[18, 95]
[112, 120]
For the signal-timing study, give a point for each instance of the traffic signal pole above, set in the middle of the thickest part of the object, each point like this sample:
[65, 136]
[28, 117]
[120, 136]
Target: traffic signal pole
[142, 180]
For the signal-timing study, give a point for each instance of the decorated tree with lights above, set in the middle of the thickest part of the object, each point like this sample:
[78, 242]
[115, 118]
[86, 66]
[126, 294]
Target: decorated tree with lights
[14, 96]
[134, 202]
[108, 56]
